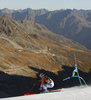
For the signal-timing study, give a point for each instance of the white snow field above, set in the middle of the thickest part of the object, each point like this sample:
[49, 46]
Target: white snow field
[75, 93]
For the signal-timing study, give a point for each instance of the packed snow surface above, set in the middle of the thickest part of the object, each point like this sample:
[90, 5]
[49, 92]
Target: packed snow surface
[75, 93]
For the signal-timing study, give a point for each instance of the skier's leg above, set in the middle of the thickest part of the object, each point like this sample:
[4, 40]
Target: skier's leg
[50, 85]
[44, 88]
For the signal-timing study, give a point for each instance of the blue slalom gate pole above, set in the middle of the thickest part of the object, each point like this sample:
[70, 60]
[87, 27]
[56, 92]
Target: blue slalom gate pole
[73, 74]
[74, 77]
[77, 69]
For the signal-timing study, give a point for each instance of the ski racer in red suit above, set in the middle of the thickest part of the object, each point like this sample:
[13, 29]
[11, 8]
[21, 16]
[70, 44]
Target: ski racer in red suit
[46, 82]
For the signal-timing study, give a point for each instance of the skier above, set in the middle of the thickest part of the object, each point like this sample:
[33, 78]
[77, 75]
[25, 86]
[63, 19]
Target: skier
[46, 82]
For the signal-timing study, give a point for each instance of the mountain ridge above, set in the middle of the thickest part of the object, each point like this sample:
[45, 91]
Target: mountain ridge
[73, 24]
[69, 23]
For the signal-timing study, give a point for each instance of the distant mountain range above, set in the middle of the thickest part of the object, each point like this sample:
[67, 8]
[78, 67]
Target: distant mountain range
[70, 24]
[74, 24]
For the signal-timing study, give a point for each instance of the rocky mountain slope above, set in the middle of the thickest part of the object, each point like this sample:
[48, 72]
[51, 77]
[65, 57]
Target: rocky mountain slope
[70, 24]
[33, 38]
[27, 51]
[74, 24]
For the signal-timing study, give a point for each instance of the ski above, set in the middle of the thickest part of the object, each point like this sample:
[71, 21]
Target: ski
[30, 94]
[54, 90]
[49, 91]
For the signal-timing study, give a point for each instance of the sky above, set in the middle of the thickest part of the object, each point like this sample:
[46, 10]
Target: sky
[47, 4]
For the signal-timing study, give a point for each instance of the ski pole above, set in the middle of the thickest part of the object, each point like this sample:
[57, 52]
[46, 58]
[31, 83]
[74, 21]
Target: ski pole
[32, 87]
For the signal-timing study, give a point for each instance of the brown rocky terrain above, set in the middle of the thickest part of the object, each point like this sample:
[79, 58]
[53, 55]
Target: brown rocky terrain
[25, 52]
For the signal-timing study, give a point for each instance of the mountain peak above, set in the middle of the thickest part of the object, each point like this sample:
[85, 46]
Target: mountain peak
[6, 10]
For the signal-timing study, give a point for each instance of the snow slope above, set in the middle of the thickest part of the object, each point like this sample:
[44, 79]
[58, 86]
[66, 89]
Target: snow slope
[75, 93]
